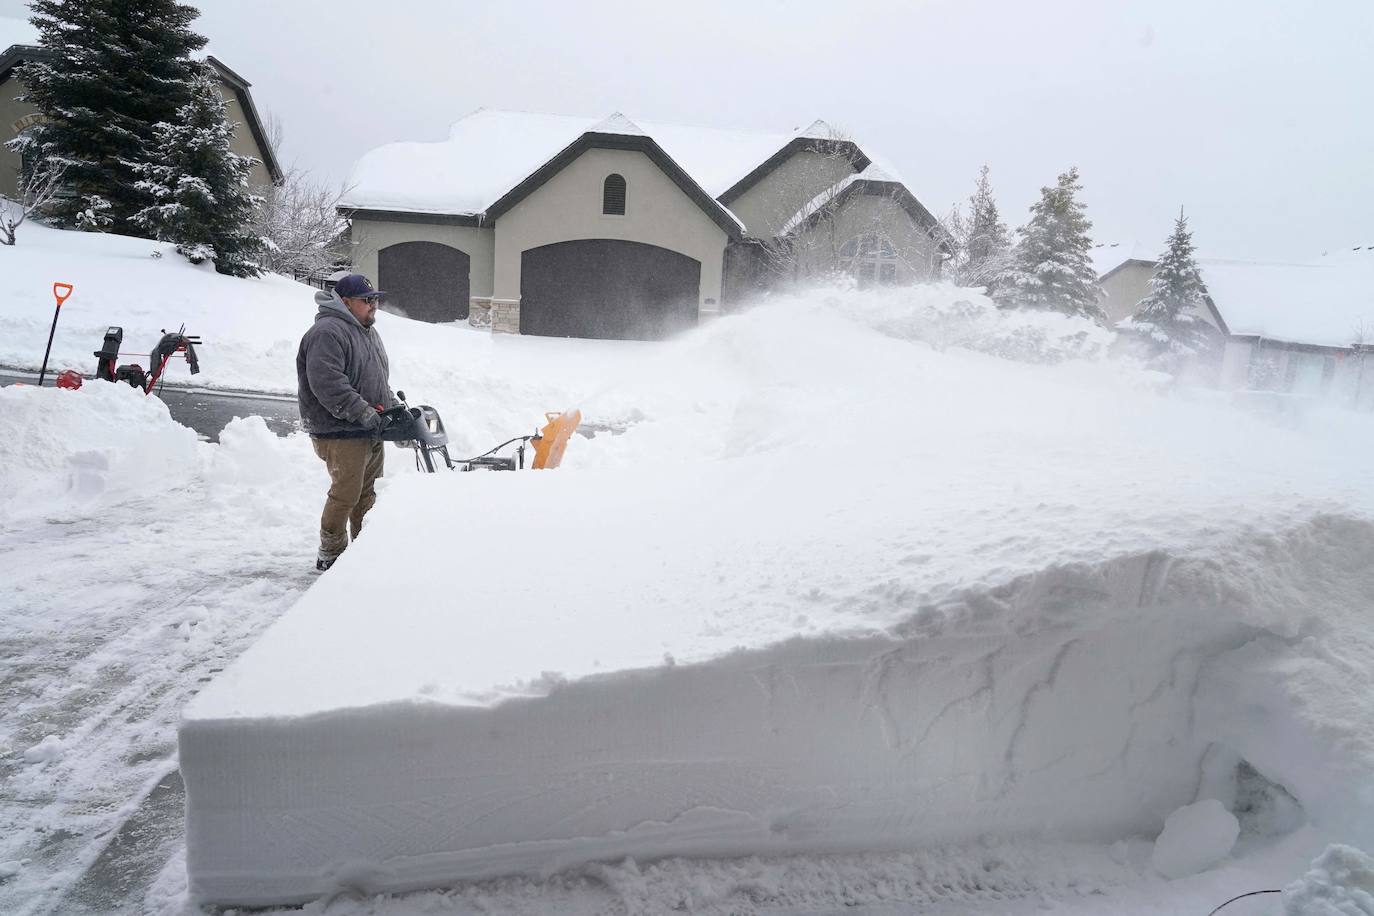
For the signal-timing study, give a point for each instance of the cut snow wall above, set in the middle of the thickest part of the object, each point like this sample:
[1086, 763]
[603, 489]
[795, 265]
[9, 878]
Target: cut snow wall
[1062, 704]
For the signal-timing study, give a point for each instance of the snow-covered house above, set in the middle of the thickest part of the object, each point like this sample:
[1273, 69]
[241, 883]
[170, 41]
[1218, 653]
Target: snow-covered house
[19, 42]
[612, 228]
[1303, 328]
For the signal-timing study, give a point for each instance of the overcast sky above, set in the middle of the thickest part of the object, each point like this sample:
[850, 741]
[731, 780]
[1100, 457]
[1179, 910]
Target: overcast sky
[1256, 116]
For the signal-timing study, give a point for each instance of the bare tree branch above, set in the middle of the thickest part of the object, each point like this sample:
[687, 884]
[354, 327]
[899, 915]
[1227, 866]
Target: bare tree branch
[36, 188]
[299, 222]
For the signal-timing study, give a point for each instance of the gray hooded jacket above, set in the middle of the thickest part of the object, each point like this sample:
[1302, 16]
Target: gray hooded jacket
[341, 373]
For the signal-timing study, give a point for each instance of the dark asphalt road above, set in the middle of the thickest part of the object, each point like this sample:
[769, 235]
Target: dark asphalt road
[204, 410]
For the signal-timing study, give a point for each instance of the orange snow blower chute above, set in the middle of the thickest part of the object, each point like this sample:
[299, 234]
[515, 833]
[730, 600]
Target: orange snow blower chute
[422, 429]
[553, 438]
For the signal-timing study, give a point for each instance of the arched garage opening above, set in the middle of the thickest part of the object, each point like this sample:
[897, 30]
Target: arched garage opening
[606, 288]
[425, 280]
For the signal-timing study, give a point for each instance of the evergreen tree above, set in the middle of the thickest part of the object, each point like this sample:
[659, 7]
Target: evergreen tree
[199, 187]
[979, 240]
[988, 243]
[1050, 268]
[1167, 321]
[114, 69]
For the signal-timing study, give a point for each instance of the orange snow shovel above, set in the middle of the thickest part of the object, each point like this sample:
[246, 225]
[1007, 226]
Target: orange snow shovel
[60, 292]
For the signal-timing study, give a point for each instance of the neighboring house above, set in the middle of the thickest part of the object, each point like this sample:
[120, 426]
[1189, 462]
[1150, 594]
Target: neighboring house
[1303, 328]
[567, 226]
[18, 43]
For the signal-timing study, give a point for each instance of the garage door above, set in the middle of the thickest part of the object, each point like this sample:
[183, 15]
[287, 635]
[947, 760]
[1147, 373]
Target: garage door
[607, 288]
[424, 280]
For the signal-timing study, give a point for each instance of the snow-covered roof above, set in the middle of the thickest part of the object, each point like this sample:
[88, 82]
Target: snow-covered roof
[1326, 302]
[16, 32]
[1109, 255]
[490, 151]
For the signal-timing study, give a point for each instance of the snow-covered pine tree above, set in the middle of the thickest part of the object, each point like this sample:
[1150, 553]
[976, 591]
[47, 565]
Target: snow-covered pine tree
[987, 247]
[1167, 322]
[1049, 267]
[112, 70]
[199, 187]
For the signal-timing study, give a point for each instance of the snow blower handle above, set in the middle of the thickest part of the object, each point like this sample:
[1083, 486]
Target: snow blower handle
[60, 292]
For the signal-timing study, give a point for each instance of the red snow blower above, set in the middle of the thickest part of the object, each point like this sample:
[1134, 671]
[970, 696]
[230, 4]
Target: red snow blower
[169, 346]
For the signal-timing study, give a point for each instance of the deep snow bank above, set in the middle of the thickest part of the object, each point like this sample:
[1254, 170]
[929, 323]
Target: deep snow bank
[831, 589]
[1052, 719]
[72, 451]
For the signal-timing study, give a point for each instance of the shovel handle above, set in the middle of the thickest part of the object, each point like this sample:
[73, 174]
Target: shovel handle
[60, 292]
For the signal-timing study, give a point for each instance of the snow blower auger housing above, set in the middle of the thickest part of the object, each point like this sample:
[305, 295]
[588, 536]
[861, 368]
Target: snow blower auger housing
[172, 343]
[422, 429]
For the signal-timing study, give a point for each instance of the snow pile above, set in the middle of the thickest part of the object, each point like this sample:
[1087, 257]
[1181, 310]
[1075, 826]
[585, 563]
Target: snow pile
[832, 588]
[943, 316]
[1195, 838]
[1340, 883]
[71, 451]
[50, 748]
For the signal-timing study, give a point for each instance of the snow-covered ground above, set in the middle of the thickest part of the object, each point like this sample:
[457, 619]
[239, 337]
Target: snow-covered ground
[857, 587]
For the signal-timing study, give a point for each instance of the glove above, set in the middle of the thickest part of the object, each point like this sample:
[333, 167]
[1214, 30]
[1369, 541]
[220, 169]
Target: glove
[372, 422]
[394, 425]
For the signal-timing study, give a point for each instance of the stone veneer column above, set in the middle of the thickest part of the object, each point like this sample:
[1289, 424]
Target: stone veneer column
[505, 316]
[479, 311]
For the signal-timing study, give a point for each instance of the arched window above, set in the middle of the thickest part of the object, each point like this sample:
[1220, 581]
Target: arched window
[613, 195]
[869, 259]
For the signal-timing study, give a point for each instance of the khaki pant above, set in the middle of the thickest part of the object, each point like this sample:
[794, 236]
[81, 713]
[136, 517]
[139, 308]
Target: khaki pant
[354, 466]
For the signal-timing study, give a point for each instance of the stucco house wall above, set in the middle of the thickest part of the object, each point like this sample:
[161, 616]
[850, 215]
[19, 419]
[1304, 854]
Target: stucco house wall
[876, 214]
[1235, 364]
[767, 206]
[1122, 289]
[14, 117]
[567, 207]
[243, 142]
[370, 236]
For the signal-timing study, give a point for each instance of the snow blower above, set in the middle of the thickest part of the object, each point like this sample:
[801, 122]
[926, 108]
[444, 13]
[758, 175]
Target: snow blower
[168, 346]
[422, 429]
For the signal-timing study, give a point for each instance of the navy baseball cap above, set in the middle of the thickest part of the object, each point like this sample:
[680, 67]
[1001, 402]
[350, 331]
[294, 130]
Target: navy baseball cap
[356, 286]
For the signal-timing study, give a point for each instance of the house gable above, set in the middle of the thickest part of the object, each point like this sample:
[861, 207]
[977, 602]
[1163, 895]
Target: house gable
[262, 149]
[774, 196]
[861, 220]
[644, 145]
[845, 150]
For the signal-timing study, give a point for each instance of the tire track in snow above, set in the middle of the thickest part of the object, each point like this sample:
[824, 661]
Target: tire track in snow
[110, 679]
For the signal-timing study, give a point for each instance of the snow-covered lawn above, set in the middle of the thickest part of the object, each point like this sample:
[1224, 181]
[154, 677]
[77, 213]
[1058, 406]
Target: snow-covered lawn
[921, 627]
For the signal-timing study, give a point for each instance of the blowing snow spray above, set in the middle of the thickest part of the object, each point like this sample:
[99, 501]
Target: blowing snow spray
[60, 292]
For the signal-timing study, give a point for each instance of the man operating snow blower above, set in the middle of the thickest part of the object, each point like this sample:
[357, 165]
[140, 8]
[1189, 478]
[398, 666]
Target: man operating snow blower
[343, 386]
